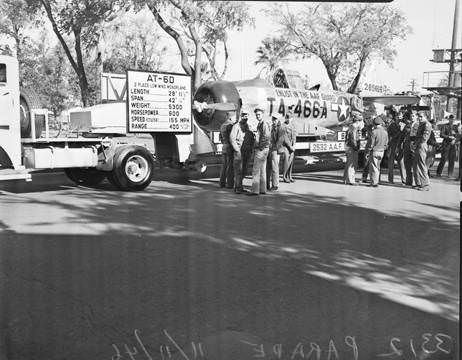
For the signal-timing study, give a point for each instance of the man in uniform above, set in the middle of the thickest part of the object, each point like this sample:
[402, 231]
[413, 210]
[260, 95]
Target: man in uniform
[395, 143]
[246, 147]
[236, 139]
[276, 149]
[289, 149]
[227, 171]
[352, 143]
[368, 134]
[262, 143]
[420, 153]
[449, 133]
[379, 142]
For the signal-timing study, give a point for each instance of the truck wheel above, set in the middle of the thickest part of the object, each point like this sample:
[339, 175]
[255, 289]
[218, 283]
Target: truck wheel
[132, 169]
[85, 176]
[29, 100]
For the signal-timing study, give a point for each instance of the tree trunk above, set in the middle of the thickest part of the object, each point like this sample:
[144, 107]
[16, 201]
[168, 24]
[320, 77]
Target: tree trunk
[333, 79]
[197, 60]
[83, 82]
[354, 84]
[170, 31]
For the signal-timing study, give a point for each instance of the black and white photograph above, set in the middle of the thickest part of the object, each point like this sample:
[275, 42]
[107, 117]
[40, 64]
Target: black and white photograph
[230, 180]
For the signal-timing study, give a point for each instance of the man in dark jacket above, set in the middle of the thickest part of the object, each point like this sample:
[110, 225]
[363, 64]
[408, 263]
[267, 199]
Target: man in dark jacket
[410, 130]
[395, 145]
[379, 142]
[227, 169]
[449, 133]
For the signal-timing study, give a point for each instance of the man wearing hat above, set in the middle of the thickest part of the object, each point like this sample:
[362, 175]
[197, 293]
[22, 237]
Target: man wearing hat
[289, 148]
[379, 142]
[420, 147]
[227, 172]
[395, 144]
[278, 140]
[410, 130]
[236, 139]
[352, 143]
[449, 133]
[262, 143]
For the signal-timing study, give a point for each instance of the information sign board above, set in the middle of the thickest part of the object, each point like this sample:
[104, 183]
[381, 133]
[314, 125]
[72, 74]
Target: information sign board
[158, 102]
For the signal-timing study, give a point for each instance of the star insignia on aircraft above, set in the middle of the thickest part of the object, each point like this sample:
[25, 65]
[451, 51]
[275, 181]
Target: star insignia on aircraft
[342, 111]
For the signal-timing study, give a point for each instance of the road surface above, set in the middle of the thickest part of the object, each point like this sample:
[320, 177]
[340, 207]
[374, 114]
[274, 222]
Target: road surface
[185, 270]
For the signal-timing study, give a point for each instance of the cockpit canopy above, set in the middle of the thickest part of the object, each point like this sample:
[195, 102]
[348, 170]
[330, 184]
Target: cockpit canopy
[288, 79]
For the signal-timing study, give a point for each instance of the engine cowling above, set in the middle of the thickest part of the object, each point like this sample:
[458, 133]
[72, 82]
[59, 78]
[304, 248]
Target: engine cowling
[214, 92]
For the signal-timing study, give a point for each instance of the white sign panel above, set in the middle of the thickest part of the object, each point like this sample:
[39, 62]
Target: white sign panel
[317, 147]
[158, 102]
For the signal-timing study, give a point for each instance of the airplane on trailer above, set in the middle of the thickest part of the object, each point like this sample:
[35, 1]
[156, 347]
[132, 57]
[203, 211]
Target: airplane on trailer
[319, 115]
[315, 112]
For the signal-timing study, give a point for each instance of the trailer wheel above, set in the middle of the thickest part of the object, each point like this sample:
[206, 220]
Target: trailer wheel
[85, 176]
[132, 170]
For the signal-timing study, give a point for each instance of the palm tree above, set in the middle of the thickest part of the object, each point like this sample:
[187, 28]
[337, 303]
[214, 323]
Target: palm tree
[272, 53]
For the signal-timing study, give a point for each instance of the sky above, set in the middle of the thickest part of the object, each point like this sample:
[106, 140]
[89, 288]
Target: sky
[431, 21]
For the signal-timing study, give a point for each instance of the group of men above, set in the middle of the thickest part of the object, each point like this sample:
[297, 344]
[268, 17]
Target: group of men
[268, 144]
[408, 139]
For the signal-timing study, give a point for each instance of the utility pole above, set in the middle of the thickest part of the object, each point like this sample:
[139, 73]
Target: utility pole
[413, 84]
[455, 30]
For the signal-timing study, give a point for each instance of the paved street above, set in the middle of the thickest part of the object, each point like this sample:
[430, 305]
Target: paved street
[185, 270]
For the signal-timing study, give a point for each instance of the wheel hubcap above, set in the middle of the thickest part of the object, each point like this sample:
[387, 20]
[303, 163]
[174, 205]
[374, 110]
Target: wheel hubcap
[136, 168]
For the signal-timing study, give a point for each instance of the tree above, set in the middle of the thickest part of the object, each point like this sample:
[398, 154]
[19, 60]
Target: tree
[198, 28]
[16, 16]
[82, 20]
[131, 42]
[272, 53]
[344, 37]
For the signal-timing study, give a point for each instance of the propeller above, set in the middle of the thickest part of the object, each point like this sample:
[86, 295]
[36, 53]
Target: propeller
[200, 106]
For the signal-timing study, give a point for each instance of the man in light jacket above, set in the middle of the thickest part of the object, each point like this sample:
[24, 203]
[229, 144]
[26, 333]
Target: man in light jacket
[236, 139]
[379, 142]
[262, 143]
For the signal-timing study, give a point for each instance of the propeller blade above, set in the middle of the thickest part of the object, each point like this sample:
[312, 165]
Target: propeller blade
[199, 106]
[222, 106]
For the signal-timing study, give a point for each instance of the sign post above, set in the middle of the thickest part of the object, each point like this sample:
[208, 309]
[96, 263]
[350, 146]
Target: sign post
[158, 102]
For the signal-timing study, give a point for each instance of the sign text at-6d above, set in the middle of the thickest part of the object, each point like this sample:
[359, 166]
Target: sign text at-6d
[158, 102]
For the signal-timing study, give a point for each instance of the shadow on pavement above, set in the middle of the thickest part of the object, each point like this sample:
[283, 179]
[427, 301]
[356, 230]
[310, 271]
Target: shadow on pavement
[297, 269]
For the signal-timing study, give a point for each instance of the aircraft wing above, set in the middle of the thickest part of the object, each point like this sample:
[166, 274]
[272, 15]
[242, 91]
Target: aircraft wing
[388, 100]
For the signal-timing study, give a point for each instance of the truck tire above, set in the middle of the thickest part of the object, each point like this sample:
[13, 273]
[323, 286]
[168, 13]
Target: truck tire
[132, 168]
[29, 100]
[85, 176]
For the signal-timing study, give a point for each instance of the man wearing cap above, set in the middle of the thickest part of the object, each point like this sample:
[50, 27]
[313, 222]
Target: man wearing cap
[449, 133]
[227, 172]
[246, 147]
[289, 147]
[236, 139]
[419, 167]
[262, 143]
[278, 140]
[367, 132]
[379, 142]
[352, 143]
[395, 144]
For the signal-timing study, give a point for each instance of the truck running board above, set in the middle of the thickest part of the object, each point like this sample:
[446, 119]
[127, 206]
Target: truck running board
[12, 174]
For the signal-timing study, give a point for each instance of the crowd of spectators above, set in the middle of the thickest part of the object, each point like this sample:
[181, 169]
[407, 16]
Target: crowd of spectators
[404, 137]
